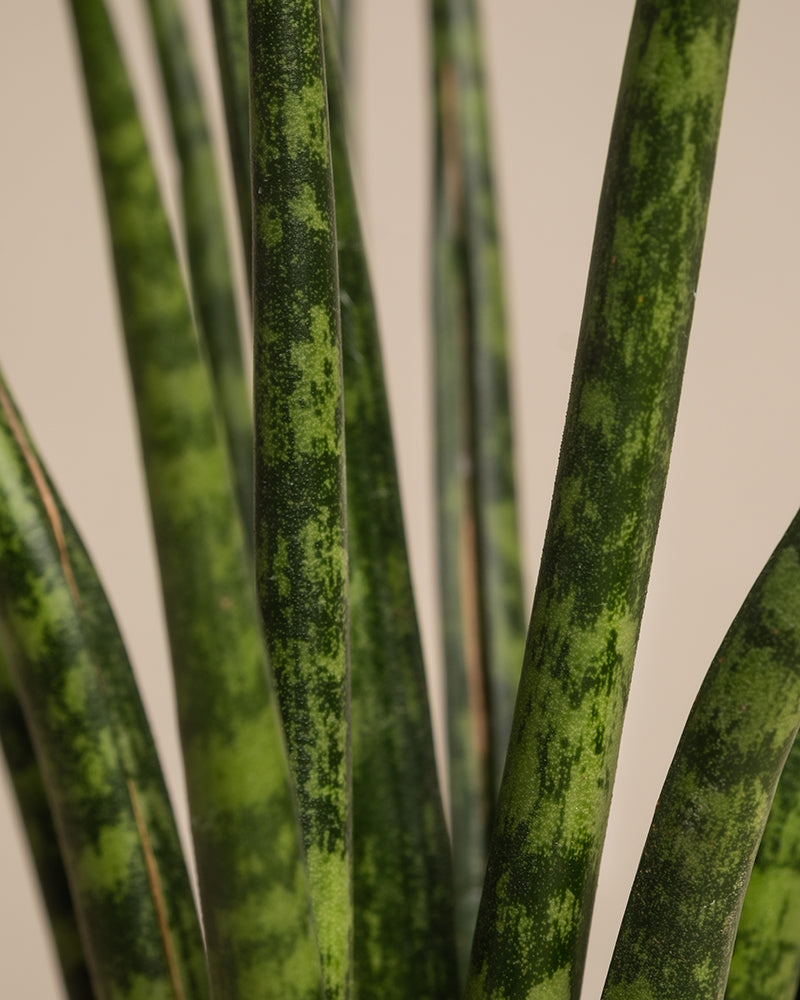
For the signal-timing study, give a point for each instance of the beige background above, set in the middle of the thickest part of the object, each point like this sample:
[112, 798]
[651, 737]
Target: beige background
[554, 67]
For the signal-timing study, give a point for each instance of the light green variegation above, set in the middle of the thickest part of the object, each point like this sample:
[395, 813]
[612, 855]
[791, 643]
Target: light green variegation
[766, 956]
[95, 758]
[323, 864]
[679, 926]
[211, 277]
[252, 879]
[37, 818]
[301, 541]
[403, 909]
[544, 856]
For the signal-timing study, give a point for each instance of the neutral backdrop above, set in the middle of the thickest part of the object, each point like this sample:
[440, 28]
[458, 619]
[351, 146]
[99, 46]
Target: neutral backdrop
[553, 70]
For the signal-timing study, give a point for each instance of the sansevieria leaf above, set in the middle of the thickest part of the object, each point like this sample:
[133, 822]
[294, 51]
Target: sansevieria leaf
[230, 34]
[210, 270]
[403, 936]
[479, 571]
[253, 883]
[766, 955]
[128, 881]
[678, 930]
[37, 818]
[544, 856]
[301, 543]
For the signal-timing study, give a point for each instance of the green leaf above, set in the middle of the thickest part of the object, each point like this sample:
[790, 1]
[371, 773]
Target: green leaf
[29, 790]
[301, 554]
[403, 908]
[117, 835]
[766, 955]
[480, 575]
[544, 857]
[679, 926]
[253, 883]
[206, 244]
[230, 34]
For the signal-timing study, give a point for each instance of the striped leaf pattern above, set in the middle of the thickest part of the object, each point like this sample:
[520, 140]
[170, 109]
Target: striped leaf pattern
[301, 543]
[403, 912]
[545, 852]
[120, 848]
[253, 883]
[679, 926]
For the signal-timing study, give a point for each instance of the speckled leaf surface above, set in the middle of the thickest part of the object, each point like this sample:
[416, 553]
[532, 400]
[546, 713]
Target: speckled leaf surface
[40, 833]
[121, 852]
[678, 930]
[545, 851]
[301, 545]
[766, 956]
[403, 911]
[253, 883]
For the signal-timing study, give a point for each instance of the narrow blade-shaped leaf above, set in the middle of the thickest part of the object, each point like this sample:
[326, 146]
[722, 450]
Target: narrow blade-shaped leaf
[301, 554]
[403, 910]
[766, 955]
[545, 851]
[37, 819]
[230, 34]
[679, 925]
[252, 879]
[479, 571]
[121, 851]
[206, 243]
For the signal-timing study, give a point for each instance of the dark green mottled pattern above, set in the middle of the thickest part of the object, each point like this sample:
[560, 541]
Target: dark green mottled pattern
[29, 790]
[678, 930]
[480, 571]
[403, 909]
[230, 33]
[252, 879]
[766, 956]
[544, 857]
[301, 558]
[118, 839]
[206, 243]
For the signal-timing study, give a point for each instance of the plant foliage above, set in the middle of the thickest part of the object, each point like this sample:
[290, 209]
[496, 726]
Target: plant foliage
[319, 838]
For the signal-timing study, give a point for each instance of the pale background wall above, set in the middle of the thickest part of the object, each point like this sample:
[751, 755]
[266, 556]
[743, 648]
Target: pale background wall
[554, 67]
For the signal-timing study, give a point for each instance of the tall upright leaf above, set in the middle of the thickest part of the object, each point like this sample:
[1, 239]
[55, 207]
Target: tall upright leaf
[403, 911]
[480, 572]
[230, 34]
[252, 878]
[766, 955]
[117, 836]
[40, 833]
[301, 554]
[545, 851]
[679, 925]
[206, 243]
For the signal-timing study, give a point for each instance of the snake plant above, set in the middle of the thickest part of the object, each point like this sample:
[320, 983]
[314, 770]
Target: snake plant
[311, 842]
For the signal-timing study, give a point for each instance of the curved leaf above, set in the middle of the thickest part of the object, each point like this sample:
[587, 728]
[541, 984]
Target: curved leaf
[545, 852]
[679, 925]
[121, 851]
[253, 883]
